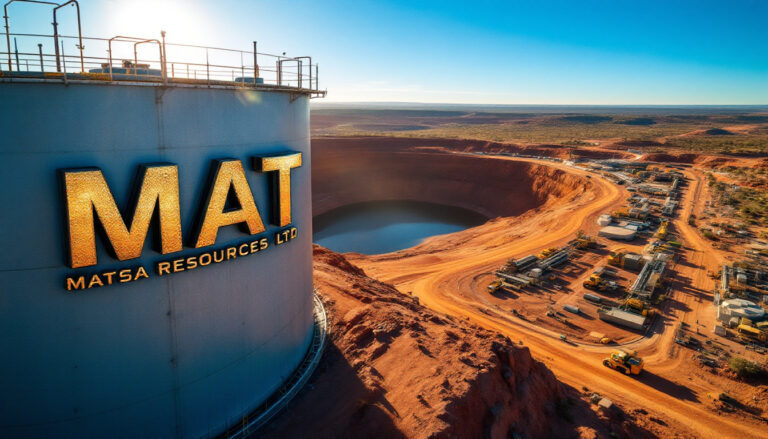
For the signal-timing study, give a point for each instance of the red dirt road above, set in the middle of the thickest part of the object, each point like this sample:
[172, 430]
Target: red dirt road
[671, 386]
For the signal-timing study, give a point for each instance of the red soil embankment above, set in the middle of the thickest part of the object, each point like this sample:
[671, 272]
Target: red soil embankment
[706, 160]
[395, 369]
[671, 158]
[353, 170]
[638, 143]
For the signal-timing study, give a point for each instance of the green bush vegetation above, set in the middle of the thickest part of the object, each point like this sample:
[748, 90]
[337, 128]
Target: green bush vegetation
[749, 144]
[709, 235]
[552, 131]
[745, 368]
[750, 176]
[658, 133]
[750, 204]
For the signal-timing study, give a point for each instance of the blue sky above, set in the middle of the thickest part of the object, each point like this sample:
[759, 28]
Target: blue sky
[512, 52]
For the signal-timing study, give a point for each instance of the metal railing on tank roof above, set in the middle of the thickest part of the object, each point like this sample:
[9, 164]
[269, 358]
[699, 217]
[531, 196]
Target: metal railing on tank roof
[151, 60]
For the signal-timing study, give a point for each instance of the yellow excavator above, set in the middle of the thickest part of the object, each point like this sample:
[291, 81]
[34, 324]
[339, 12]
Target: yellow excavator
[662, 232]
[547, 252]
[624, 362]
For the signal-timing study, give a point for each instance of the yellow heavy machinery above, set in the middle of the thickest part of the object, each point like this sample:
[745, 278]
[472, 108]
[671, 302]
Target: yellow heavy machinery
[662, 232]
[624, 362]
[658, 246]
[494, 286]
[499, 285]
[621, 213]
[751, 333]
[509, 267]
[584, 242]
[616, 257]
[620, 258]
[595, 282]
[637, 306]
[547, 252]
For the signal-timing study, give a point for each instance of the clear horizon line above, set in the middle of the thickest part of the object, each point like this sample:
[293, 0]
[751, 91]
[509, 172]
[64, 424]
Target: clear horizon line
[538, 105]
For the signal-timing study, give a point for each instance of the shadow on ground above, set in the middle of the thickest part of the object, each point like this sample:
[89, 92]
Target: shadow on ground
[334, 400]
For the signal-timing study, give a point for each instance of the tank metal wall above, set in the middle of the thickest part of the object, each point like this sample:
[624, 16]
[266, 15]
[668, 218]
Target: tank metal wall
[182, 355]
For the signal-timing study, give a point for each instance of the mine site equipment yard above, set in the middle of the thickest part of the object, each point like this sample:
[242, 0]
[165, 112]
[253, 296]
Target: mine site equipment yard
[549, 278]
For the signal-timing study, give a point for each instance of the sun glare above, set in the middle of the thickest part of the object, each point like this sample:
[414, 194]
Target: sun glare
[182, 22]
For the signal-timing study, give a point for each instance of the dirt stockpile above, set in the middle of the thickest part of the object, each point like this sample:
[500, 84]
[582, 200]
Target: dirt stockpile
[639, 143]
[671, 158]
[397, 369]
[348, 170]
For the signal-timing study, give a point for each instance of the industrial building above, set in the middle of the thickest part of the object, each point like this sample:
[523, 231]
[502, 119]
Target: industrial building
[618, 164]
[746, 281]
[675, 185]
[738, 308]
[650, 277]
[604, 220]
[107, 334]
[669, 207]
[622, 318]
[530, 269]
[652, 189]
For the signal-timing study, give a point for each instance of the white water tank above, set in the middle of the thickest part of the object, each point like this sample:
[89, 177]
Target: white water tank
[737, 308]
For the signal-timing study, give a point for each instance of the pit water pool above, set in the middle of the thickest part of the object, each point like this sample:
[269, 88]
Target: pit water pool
[385, 226]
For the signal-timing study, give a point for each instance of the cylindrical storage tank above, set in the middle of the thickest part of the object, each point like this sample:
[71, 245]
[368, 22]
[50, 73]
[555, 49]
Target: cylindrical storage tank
[593, 298]
[615, 232]
[571, 308]
[182, 350]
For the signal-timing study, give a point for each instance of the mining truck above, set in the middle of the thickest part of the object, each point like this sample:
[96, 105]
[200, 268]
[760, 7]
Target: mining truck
[498, 285]
[624, 362]
[750, 333]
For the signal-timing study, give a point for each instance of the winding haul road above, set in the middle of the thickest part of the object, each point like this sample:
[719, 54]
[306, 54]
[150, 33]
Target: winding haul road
[660, 389]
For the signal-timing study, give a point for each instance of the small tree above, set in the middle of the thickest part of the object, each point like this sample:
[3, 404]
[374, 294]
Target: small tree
[709, 235]
[745, 368]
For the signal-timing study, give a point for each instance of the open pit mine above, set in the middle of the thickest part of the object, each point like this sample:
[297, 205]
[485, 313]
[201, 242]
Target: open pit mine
[458, 335]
